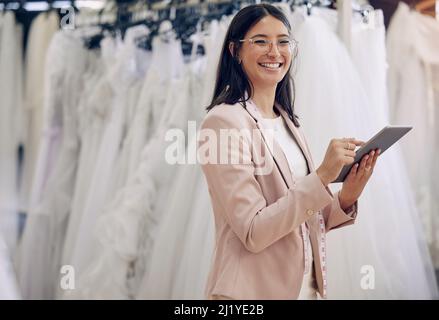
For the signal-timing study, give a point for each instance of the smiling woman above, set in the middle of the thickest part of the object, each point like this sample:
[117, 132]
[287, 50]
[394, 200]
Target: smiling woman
[270, 224]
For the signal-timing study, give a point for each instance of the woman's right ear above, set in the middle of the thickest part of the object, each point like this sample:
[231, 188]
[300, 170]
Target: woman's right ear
[232, 52]
[231, 48]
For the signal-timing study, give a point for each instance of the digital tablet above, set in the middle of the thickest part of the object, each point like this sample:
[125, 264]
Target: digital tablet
[382, 140]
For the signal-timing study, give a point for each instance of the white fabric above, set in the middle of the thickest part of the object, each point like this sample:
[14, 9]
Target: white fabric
[368, 53]
[121, 78]
[332, 102]
[134, 204]
[11, 124]
[8, 284]
[42, 240]
[180, 258]
[95, 108]
[344, 25]
[291, 149]
[413, 93]
[308, 291]
[40, 34]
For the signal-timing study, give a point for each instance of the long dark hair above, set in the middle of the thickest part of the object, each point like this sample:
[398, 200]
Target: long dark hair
[231, 81]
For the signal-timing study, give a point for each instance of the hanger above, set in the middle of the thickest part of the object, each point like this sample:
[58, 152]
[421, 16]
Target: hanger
[73, 5]
[309, 4]
[21, 7]
[93, 42]
[50, 3]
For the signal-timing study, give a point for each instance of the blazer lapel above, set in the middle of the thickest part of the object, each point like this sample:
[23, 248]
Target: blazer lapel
[274, 148]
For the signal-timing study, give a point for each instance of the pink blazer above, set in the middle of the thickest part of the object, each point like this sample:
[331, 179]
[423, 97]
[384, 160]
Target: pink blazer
[259, 248]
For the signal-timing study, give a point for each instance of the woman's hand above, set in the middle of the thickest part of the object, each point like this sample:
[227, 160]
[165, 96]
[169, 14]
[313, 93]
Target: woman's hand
[340, 152]
[357, 179]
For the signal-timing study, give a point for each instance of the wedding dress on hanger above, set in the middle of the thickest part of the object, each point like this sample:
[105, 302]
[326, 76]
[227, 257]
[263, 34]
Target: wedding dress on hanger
[185, 212]
[413, 54]
[387, 237]
[95, 110]
[41, 244]
[123, 79]
[40, 35]
[107, 274]
[11, 124]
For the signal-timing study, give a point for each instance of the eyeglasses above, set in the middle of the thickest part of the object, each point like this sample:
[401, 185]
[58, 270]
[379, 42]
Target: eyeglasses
[284, 45]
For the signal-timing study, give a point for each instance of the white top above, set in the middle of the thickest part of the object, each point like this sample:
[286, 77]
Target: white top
[286, 141]
[299, 168]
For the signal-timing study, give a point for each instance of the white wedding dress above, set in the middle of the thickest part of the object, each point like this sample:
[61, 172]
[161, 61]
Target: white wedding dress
[387, 238]
[180, 258]
[42, 240]
[90, 122]
[40, 35]
[11, 124]
[94, 112]
[8, 283]
[123, 79]
[117, 229]
[413, 52]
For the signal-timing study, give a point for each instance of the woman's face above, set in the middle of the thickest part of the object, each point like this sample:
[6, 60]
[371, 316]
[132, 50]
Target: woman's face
[266, 64]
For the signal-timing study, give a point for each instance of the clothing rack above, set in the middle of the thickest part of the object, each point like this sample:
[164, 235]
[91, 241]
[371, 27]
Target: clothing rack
[46, 5]
[138, 10]
[309, 4]
[186, 16]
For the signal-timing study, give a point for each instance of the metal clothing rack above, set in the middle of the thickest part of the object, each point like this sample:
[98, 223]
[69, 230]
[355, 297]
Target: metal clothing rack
[37, 5]
[186, 16]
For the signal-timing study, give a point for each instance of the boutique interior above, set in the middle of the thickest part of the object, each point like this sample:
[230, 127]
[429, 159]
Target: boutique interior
[88, 90]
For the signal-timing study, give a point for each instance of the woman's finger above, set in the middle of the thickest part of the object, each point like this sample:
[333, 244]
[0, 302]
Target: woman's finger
[370, 161]
[355, 141]
[377, 154]
[361, 170]
[348, 160]
[353, 172]
[349, 153]
[368, 169]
